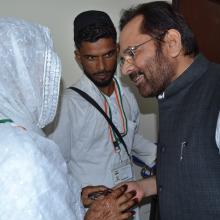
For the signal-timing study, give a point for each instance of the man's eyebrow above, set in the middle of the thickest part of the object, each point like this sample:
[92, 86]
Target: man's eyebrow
[93, 55]
[110, 51]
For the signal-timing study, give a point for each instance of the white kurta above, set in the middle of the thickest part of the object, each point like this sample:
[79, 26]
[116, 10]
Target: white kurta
[34, 180]
[83, 134]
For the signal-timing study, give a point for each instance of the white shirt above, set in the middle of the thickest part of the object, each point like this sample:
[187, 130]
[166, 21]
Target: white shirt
[83, 134]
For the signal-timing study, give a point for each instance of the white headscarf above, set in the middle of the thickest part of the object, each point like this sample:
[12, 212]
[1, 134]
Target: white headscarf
[34, 183]
[30, 74]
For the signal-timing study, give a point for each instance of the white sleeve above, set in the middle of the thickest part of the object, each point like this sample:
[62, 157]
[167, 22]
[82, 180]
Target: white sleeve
[33, 186]
[142, 148]
[145, 150]
[60, 129]
[68, 125]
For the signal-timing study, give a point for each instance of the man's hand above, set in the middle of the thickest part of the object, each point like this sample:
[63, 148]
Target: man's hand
[86, 191]
[144, 187]
[135, 185]
[114, 206]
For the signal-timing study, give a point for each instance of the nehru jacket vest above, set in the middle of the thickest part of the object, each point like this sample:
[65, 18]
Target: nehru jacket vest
[188, 163]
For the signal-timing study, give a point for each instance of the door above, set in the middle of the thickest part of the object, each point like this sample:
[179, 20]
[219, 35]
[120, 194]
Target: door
[203, 16]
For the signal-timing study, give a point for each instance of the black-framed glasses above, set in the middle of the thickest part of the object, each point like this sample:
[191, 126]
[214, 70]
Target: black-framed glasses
[130, 52]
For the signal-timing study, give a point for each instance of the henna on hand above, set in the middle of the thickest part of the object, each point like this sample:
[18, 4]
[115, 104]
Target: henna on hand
[114, 206]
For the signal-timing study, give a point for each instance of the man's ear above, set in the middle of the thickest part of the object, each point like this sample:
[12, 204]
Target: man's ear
[77, 57]
[173, 43]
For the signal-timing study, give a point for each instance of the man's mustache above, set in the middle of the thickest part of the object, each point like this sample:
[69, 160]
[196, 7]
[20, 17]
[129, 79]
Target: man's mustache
[103, 73]
[133, 76]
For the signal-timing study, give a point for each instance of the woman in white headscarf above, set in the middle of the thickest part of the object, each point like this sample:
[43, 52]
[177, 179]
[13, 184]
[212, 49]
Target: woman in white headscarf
[34, 184]
[32, 172]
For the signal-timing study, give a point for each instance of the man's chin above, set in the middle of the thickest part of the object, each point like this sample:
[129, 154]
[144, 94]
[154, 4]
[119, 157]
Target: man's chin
[102, 84]
[144, 92]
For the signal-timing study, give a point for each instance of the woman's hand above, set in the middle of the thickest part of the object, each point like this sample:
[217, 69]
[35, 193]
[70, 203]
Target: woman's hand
[88, 190]
[114, 206]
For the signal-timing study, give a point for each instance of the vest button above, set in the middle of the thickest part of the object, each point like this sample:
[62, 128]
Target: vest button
[163, 149]
[160, 188]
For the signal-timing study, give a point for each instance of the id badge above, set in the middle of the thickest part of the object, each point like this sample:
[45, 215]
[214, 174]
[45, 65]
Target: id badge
[122, 171]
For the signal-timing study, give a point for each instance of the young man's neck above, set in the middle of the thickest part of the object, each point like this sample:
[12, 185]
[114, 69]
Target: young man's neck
[108, 90]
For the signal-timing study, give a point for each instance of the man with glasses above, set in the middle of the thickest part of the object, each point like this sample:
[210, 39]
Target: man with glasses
[159, 53]
[93, 151]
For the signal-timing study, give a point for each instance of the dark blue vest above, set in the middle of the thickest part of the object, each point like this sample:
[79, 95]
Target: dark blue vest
[188, 175]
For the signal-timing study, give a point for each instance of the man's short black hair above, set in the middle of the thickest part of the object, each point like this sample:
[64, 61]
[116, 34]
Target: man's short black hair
[91, 26]
[159, 17]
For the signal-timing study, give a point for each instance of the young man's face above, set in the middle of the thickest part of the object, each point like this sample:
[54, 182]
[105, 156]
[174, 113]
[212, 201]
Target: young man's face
[143, 61]
[98, 60]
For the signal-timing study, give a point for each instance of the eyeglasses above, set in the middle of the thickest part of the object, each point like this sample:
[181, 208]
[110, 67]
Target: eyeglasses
[130, 52]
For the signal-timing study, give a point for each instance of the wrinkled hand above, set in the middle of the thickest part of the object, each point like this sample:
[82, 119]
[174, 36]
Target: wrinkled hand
[90, 189]
[114, 206]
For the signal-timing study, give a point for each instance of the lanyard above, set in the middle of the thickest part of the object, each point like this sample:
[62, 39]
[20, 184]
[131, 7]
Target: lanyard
[107, 108]
[96, 105]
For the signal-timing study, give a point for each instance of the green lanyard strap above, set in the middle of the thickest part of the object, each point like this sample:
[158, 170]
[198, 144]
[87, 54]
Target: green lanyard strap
[124, 118]
[5, 120]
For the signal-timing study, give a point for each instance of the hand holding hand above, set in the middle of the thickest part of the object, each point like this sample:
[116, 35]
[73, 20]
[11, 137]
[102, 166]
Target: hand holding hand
[136, 186]
[88, 190]
[133, 186]
[144, 187]
[114, 206]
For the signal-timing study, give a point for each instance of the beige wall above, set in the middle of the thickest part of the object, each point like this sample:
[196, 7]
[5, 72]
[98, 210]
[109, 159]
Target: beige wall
[58, 15]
